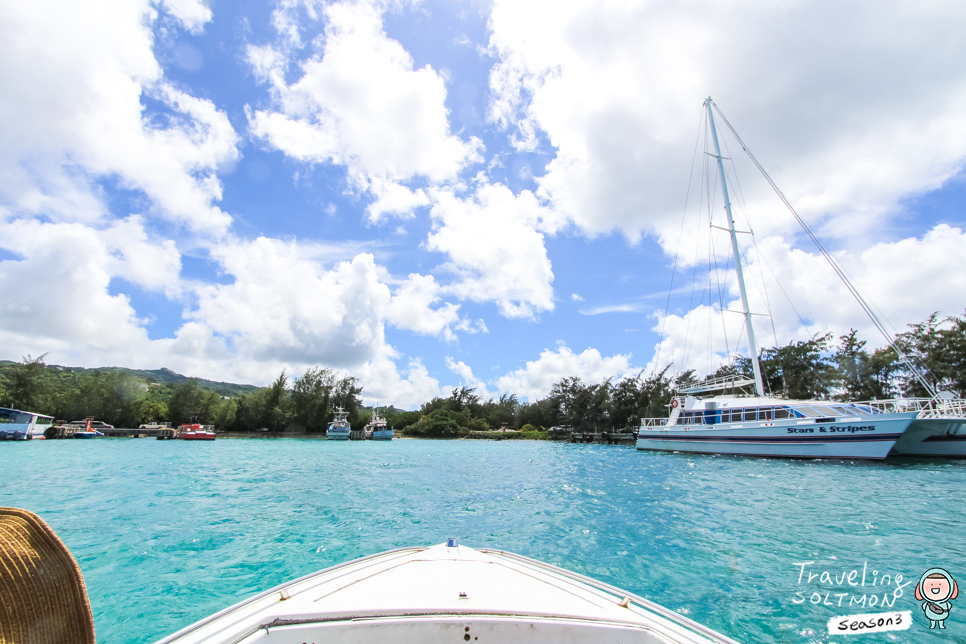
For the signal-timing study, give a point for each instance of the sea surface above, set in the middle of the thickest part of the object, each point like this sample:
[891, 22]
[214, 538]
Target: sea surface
[168, 532]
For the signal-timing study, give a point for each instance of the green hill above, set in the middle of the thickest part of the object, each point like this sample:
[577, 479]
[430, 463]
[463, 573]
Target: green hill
[161, 376]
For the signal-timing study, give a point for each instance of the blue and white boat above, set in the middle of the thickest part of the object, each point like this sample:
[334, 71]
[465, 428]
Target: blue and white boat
[16, 425]
[339, 427]
[376, 428]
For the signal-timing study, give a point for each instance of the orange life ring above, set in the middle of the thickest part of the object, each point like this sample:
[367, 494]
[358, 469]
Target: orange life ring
[674, 403]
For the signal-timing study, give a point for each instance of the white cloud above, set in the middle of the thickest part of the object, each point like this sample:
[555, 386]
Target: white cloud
[906, 280]
[535, 380]
[411, 308]
[56, 297]
[466, 373]
[394, 199]
[495, 247]
[284, 305]
[849, 113]
[384, 384]
[74, 75]
[576, 298]
[360, 103]
[193, 14]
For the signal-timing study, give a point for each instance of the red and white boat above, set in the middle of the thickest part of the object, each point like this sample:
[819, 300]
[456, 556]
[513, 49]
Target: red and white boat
[196, 432]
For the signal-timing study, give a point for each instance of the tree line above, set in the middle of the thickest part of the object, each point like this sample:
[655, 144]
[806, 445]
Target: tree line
[820, 368]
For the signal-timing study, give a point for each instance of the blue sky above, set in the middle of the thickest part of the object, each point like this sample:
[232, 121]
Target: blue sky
[434, 194]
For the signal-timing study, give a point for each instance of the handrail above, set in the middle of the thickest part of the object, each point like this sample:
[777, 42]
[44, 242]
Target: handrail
[927, 407]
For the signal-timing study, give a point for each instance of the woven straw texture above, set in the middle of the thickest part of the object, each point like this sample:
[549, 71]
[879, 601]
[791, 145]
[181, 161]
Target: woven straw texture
[42, 594]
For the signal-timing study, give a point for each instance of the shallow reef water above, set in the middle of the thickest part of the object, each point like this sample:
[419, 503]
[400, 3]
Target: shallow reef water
[168, 532]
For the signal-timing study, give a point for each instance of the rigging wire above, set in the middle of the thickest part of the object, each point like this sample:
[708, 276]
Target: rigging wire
[866, 307]
[667, 305]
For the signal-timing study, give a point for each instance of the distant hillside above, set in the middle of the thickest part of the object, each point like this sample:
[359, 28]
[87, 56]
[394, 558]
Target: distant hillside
[161, 376]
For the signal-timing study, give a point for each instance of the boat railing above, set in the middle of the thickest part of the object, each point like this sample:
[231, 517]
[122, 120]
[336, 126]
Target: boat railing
[715, 384]
[647, 423]
[927, 407]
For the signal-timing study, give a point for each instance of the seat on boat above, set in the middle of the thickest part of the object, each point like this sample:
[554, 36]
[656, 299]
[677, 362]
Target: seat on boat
[43, 599]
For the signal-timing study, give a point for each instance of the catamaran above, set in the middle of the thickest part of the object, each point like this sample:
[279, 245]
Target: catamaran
[765, 426]
[446, 593]
[16, 425]
[339, 427]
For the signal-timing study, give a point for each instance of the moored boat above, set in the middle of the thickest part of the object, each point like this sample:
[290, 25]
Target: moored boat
[196, 432]
[16, 425]
[761, 426]
[338, 429]
[446, 593]
[89, 430]
[376, 429]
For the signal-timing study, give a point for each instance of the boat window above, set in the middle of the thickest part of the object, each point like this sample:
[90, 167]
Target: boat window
[751, 414]
[765, 414]
[781, 413]
[44, 420]
[725, 415]
[14, 417]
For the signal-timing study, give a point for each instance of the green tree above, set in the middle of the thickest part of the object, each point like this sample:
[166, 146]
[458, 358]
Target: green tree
[311, 395]
[184, 403]
[277, 407]
[800, 370]
[28, 387]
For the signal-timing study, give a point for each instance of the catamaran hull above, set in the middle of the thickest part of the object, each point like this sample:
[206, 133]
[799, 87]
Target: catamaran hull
[865, 438]
[933, 437]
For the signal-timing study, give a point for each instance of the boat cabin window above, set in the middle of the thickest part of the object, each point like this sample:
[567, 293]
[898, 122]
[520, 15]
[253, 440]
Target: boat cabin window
[781, 413]
[12, 416]
[44, 420]
[693, 418]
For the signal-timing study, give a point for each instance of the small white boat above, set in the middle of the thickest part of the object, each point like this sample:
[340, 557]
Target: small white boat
[339, 427]
[376, 428]
[446, 593]
[16, 425]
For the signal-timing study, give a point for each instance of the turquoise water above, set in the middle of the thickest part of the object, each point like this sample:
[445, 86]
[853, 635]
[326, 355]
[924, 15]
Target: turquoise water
[167, 532]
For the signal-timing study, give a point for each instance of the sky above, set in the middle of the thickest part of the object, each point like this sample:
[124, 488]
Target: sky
[496, 194]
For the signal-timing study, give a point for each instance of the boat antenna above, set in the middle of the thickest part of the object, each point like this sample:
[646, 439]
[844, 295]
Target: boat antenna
[891, 339]
[752, 346]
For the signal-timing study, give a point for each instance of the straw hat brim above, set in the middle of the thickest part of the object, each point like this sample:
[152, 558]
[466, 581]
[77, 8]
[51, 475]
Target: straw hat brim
[43, 599]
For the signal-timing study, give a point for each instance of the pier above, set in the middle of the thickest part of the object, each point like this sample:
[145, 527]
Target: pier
[55, 432]
[604, 438]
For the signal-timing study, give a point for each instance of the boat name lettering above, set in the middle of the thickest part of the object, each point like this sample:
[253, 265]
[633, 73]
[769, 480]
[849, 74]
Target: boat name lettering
[846, 429]
[801, 430]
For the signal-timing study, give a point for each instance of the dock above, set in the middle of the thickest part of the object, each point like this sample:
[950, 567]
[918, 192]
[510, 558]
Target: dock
[66, 431]
[604, 438]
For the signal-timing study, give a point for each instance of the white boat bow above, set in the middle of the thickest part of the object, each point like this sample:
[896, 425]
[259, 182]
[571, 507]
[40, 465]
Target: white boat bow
[445, 593]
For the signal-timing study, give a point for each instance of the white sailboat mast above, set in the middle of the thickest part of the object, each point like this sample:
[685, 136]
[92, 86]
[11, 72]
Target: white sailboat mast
[752, 345]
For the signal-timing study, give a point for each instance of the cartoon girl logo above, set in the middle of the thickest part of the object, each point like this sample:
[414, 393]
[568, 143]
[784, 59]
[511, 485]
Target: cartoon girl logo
[935, 589]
